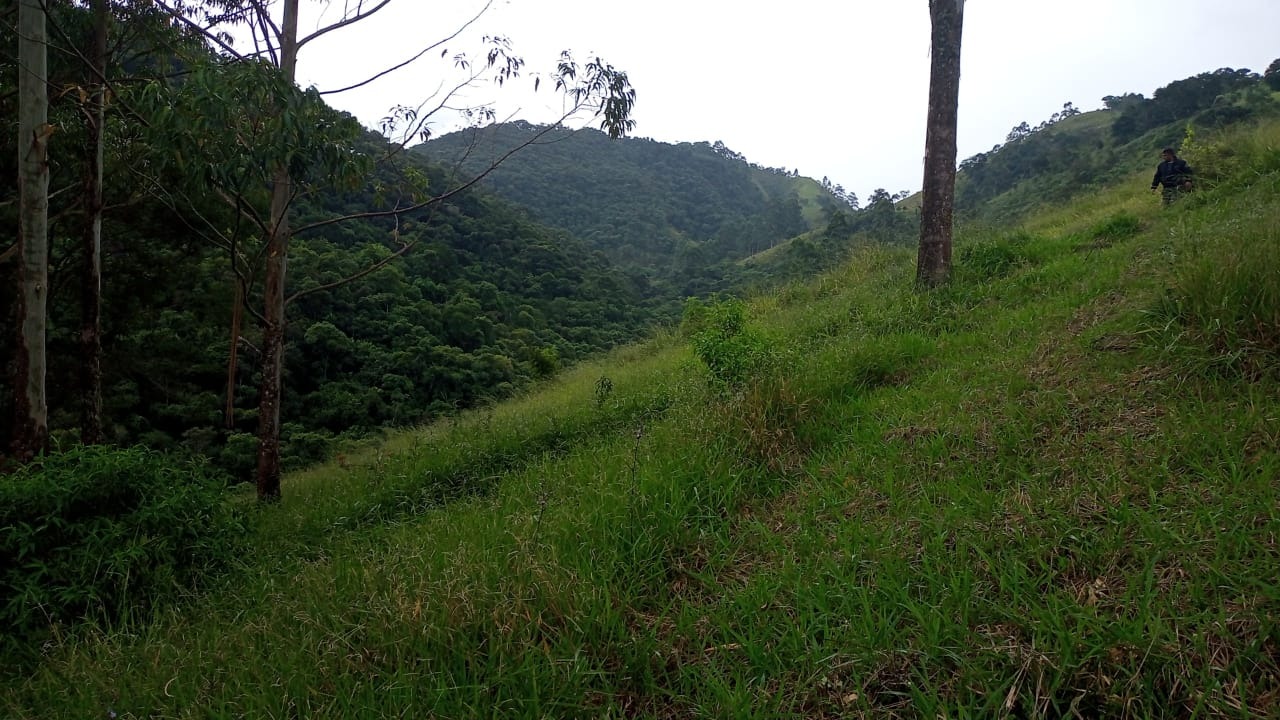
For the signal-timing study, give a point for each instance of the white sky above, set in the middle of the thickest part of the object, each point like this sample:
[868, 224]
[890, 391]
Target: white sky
[834, 88]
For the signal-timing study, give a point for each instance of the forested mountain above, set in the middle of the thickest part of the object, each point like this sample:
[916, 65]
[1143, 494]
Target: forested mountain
[1046, 488]
[394, 317]
[487, 301]
[670, 212]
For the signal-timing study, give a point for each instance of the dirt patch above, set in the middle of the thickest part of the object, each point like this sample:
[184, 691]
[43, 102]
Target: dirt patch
[1095, 312]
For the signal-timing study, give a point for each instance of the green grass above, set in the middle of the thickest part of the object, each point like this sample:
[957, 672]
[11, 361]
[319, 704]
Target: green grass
[1016, 496]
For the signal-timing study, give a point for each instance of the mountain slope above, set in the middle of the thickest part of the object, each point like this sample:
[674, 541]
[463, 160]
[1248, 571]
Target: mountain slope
[641, 202]
[1065, 156]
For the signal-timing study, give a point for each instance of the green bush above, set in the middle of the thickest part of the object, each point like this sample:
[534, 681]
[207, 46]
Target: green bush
[104, 534]
[300, 447]
[694, 318]
[545, 361]
[733, 352]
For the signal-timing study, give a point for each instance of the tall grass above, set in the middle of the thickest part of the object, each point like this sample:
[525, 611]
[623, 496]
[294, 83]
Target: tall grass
[1222, 306]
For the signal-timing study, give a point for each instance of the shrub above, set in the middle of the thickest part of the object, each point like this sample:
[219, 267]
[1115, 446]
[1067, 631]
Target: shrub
[694, 318]
[766, 418]
[1212, 160]
[730, 350]
[105, 534]
[545, 361]
[300, 447]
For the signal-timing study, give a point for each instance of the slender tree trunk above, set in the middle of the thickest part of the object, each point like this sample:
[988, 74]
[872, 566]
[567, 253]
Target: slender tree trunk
[268, 476]
[933, 265]
[270, 392]
[31, 412]
[233, 357]
[91, 287]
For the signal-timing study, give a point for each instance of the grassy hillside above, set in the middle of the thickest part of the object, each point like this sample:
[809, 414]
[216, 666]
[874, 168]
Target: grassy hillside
[1046, 490]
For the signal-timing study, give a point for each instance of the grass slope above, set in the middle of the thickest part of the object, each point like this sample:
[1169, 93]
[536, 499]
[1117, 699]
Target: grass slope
[1047, 490]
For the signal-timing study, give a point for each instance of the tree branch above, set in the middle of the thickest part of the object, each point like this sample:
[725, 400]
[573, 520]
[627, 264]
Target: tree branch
[413, 59]
[404, 248]
[204, 32]
[158, 192]
[343, 23]
[437, 199]
[268, 28]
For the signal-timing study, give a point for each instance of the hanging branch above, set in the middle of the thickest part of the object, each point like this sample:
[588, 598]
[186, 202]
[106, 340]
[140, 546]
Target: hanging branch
[415, 58]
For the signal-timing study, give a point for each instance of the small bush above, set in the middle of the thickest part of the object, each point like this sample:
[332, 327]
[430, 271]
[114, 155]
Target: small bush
[300, 447]
[104, 534]
[694, 318]
[730, 350]
[767, 418]
[545, 361]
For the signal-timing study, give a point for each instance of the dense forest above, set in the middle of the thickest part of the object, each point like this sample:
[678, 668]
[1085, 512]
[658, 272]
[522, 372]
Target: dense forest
[675, 215]
[423, 303]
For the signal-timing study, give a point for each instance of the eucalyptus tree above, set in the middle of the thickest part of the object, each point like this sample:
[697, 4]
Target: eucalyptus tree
[933, 264]
[31, 411]
[95, 120]
[287, 141]
[76, 75]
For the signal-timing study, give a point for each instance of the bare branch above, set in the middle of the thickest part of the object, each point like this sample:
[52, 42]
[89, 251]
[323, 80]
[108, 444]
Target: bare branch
[437, 199]
[416, 126]
[267, 27]
[349, 20]
[413, 59]
[204, 32]
[160, 193]
[405, 247]
[242, 209]
[9, 253]
[73, 49]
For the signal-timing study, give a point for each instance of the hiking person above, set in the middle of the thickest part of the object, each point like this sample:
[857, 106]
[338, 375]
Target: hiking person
[1174, 174]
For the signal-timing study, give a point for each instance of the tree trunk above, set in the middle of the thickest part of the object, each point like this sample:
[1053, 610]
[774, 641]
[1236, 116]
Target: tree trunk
[273, 341]
[933, 265]
[31, 412]
[233, 358]
[91, 286]
[268, 476]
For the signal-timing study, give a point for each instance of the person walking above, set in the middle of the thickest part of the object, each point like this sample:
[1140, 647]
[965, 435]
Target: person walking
[1173, 174]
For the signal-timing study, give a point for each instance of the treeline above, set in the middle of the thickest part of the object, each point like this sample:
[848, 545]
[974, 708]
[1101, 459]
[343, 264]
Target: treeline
[1210, 99]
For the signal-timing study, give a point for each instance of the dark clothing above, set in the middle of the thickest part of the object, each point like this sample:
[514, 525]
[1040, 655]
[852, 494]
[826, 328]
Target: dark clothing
[1171, 174]
[1171, 194]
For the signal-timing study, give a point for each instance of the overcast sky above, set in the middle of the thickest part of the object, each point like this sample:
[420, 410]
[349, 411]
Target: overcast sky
[834, 88]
